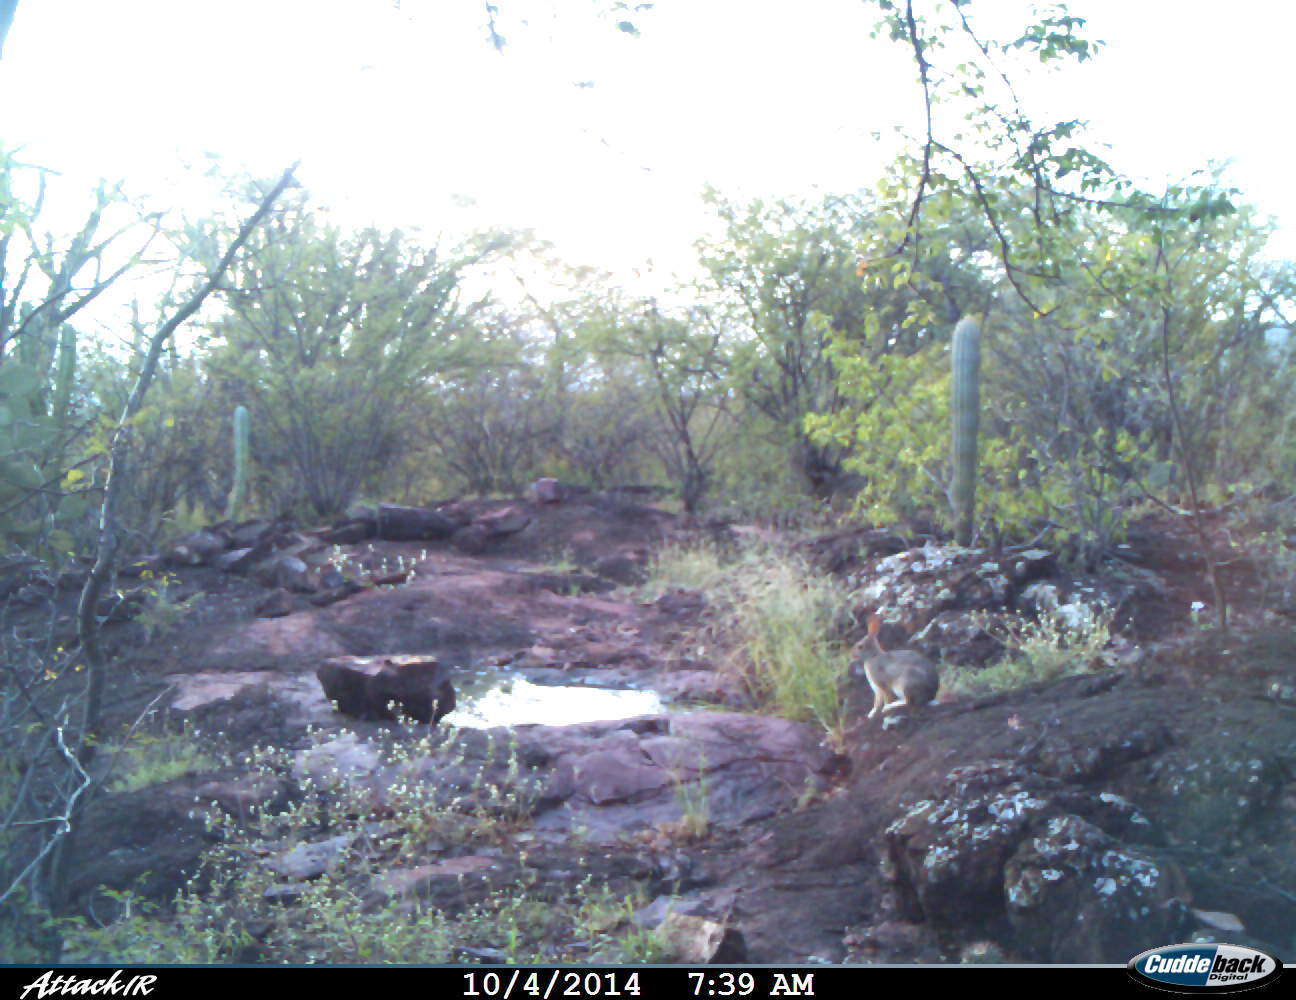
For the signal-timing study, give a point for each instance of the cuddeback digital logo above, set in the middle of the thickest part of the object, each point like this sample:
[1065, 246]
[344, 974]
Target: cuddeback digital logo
[1192, 968]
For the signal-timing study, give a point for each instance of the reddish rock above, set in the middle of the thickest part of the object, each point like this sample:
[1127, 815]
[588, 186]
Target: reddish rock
[383, 687]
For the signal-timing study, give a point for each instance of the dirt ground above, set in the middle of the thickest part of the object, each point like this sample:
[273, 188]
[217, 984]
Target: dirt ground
[1081, 820]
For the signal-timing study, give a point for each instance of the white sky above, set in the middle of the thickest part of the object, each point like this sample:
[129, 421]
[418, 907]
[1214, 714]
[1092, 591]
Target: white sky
[400, 111]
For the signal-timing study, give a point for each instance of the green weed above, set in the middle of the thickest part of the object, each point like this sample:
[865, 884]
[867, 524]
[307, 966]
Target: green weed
[438, 800]
[1061, 642]
[144, 759]
[783, 616]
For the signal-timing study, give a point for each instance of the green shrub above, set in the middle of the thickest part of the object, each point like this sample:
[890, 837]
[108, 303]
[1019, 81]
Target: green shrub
[774, 617]
[144, 759]
[692, 567]
[1064, 641]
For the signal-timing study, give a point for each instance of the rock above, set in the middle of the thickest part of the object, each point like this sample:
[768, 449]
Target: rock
[1229, 923]
[422, 880]
[893, 942]
[197, 548]
[621, 567]
[388, 686]
[252, 706]
[617, 772]
[696, 940]
[341, 592]
[546, 491]
[406, 524]
[342, 760]
[564, 583]
[283, 570]
[725, 768]
[308, 861]
[296, 641]
[285, 894]
[846, 551]
[1024, 566]
[508, 521]
[471, 540]
[278, 605]
[715, 904]
[349, 532]
[149, 841]
[702, 685]
[232, 561]
[957, 637]
[240, 796]
[247, 534]
[1076, 895]
[999, 839]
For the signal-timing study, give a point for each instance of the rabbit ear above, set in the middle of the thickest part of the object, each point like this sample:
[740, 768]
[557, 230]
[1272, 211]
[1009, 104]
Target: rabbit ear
[874, 624]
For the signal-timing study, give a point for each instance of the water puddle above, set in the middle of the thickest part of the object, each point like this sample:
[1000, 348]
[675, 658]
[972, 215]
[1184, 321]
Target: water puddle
[501, 700]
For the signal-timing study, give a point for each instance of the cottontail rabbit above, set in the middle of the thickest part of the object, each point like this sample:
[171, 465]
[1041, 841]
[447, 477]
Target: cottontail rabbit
[903, 674]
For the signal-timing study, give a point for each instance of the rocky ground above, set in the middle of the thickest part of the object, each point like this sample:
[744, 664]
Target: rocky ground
[1083, 820]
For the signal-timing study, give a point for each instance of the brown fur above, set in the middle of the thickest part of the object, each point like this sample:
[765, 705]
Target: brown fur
[899, 677]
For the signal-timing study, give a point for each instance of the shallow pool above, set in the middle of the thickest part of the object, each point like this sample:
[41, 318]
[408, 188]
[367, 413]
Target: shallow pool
[514, 701]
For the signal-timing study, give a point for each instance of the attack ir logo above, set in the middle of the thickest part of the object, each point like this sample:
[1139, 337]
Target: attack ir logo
[1201, 968]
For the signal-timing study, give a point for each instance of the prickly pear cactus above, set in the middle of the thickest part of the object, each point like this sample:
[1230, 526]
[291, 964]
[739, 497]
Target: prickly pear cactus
[965, 406]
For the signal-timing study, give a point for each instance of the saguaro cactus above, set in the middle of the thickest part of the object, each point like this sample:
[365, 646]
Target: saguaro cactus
[238, 491]
[64, 375]
[965, 407]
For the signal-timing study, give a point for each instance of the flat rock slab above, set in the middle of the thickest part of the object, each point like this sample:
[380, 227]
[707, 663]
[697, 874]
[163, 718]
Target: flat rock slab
[609, 780]
[202, 694]
[736, 768]
[293, 641]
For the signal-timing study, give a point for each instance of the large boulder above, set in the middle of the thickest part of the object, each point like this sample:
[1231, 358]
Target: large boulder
[385, 687]
[1073, 872]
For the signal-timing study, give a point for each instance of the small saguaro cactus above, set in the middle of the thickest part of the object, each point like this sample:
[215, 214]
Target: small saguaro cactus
[238, 491]
[65, 373]
[965, 408]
